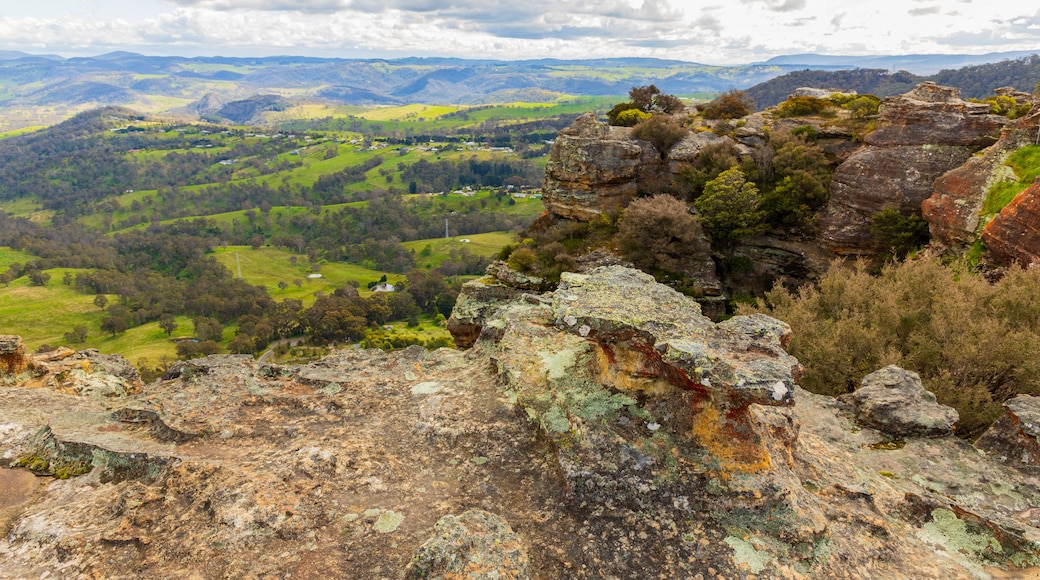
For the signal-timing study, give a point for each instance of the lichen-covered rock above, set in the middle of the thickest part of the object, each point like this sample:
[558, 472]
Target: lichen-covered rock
[1014, 234]
[476, 545]
[594, 168]
[893, 401]
[476, 299]
[12, 355]
[1015, 437]
[920, 136]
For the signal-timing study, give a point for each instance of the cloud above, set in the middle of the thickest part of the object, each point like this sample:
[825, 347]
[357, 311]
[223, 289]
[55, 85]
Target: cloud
[778, 5]
[306, 6]
[923, 11]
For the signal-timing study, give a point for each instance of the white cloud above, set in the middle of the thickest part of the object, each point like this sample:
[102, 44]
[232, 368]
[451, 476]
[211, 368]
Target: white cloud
[743, 31]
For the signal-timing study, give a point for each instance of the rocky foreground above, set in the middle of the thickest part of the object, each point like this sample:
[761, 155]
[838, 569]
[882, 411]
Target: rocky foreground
[602, 430]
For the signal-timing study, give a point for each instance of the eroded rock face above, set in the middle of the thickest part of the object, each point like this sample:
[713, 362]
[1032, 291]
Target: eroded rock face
[893, 401]
[1013, 236]
[1013, 439]
[921, 135]
[594, 168]
[936, 115]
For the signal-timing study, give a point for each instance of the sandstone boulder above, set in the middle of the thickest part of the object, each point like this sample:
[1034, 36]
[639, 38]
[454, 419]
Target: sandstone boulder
[594, 168]
[1015, 437]
[893, 401]
[920, 136]
[476, 545]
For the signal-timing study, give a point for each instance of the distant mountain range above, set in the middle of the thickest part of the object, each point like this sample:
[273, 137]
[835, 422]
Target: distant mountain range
[43, 89]
[919, 64]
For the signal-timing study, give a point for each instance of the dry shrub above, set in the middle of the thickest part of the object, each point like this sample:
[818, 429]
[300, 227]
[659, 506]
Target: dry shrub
[972, 342]
[659, 234]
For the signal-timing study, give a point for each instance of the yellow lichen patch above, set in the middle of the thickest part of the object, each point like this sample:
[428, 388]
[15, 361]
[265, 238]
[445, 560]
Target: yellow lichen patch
[717, 434]
[626, 370]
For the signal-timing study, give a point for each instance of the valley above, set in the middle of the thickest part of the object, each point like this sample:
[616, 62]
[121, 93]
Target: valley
[322, 199]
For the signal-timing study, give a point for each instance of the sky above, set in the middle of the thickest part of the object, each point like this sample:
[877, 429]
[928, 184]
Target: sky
[711, 32]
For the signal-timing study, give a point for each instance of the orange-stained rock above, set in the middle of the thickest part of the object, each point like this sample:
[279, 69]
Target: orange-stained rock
[952, 211]
[1014, 234]
[12, 355]
[921, 135]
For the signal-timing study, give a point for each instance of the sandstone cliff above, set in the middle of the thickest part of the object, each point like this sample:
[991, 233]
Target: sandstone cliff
[602, 430]
[920, 136]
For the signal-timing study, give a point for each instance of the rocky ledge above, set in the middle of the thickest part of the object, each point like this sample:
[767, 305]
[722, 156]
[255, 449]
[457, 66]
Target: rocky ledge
[601, 430]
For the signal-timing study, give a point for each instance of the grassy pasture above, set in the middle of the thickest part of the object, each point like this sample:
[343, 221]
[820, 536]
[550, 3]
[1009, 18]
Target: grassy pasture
[10, 256]
[267, 266]
[487, 244]
[43, 314]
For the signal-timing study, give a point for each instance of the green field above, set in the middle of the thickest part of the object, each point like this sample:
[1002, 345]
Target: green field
[21, 131]
[433, 252]
[43, 314]
[267, 266]
[9, 256]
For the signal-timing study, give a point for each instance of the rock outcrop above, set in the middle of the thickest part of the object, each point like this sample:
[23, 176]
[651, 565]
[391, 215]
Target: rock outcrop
[601, 430]
[954, 208]
[12, 355]
[893, 401]
[594, 168]
[1015, 437]
[920, 136]
[1014, 234]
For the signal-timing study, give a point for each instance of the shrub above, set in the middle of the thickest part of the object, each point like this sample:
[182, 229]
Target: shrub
[630, 118]
[659, 234]
[803, 106]
[898, 234]
[643, 97]
[662, 131]
[619, 108]
[806, 132]
[972, 342]
[669, 104]
[707, 165]
[729, 209]
[863, 106]
[731, 104]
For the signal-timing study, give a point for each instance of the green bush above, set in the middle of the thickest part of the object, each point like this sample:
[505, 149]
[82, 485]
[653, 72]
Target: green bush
[898, 234]
[863, 106]
[619, 108]
[729, 209]
[803, 106]
[630, 118]
[972, 342]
